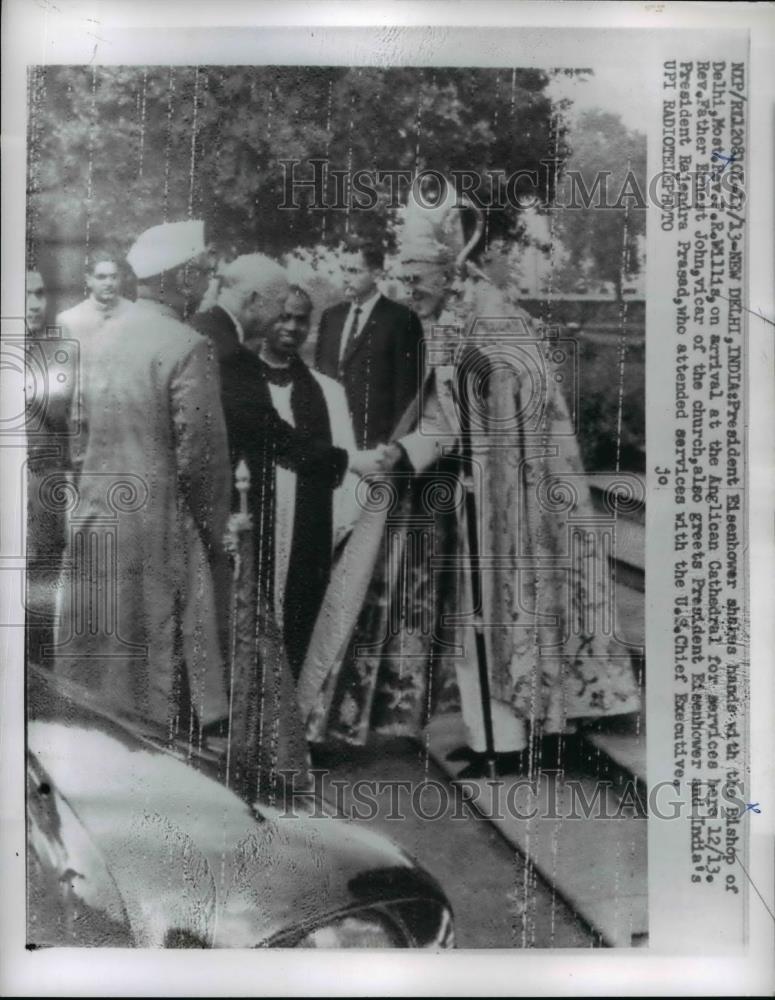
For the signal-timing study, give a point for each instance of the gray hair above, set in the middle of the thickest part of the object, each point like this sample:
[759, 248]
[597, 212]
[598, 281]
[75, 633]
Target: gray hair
[255, 272]
[300, 293]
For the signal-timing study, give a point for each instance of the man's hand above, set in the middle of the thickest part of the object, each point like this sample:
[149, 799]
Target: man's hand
[375, 460]
[236, 526]
[366, 462]
[391, 455]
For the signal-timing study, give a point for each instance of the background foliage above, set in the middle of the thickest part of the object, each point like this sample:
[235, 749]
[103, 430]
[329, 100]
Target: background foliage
[602, 242]
[114, 150]
[117, 149]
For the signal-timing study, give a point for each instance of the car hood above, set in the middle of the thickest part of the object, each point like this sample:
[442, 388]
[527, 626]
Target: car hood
[196, 864]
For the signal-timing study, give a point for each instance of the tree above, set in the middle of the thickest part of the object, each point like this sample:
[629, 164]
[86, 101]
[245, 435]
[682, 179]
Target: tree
[114, 150]
[607, 162]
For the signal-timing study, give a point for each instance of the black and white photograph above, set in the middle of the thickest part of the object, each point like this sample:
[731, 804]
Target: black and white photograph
[381, 525]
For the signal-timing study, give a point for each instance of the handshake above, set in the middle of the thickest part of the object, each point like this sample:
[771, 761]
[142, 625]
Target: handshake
[372, 461]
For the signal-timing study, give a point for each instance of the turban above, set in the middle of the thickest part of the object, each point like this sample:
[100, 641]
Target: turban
[162, 248]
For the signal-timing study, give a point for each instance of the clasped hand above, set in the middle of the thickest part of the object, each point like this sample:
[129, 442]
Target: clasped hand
[375, 460]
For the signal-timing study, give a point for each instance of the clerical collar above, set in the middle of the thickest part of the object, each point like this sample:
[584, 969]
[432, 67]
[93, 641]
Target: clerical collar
[281, 375]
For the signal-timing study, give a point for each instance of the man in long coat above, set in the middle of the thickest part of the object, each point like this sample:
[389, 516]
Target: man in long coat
[266, 734]
[309, 513]
[139, 623]
[547, 611]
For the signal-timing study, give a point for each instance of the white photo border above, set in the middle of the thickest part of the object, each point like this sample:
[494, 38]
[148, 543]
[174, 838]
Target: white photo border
[79, 32]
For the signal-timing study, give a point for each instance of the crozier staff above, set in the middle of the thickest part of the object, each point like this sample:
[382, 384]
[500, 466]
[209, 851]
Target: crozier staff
[542, 600]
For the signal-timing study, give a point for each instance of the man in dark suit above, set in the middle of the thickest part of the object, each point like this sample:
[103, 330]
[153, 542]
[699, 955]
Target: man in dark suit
[372, 346]
[252, 295]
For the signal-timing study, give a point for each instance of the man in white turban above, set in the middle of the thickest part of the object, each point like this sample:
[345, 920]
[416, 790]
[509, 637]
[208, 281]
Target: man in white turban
[139, 624]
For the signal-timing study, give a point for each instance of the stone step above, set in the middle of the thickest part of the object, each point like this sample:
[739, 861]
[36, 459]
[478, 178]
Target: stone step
[591, 851]
[623, 743]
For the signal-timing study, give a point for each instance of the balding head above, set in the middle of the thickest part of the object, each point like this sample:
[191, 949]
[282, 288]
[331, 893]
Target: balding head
[253, 288]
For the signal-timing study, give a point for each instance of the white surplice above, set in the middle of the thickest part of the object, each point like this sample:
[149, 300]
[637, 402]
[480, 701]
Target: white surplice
[345, 508]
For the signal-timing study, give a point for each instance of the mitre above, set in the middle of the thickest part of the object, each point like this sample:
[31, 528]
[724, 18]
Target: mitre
[430, 226]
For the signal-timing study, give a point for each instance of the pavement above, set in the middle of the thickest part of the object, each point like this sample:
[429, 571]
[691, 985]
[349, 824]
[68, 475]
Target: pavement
[579, 820]
[574, 874]
[499, 899]
[552, 857]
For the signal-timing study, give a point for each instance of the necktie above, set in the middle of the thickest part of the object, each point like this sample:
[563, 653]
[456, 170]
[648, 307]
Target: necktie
[351, 334]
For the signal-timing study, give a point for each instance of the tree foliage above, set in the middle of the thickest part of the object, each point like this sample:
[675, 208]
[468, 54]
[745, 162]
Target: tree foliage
[114, 150]
[604, 233]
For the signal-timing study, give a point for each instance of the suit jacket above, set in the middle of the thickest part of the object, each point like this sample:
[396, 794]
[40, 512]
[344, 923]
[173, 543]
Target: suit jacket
[381, 367]
[255, 431]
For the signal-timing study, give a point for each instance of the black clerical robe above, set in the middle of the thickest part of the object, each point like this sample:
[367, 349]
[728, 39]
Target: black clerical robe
[265, 441]
[295, 569]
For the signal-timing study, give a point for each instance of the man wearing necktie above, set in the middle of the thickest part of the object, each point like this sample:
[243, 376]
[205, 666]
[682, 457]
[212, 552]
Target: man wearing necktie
[372, 346]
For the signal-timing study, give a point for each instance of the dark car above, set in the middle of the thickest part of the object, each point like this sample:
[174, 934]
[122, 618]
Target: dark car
[132, 844]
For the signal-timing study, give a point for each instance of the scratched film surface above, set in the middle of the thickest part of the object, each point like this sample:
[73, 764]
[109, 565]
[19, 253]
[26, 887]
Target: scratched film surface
[421, 575]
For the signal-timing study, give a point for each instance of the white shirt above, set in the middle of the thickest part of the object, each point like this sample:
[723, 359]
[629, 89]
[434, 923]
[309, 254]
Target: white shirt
[348, 333]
